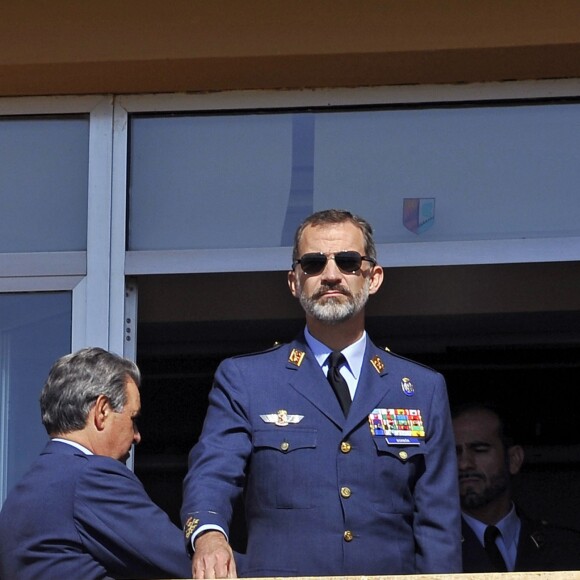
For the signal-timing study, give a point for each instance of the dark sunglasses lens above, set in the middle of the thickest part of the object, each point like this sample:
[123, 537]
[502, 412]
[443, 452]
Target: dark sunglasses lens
[313, 263]
[348, 261]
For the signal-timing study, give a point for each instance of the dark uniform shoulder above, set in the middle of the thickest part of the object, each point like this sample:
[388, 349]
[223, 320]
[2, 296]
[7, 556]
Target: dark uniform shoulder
[408, 360]
[276, 346]
[547, 531]
[558, 545]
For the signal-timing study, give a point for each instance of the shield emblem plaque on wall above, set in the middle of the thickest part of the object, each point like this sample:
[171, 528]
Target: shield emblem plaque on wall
[418, 213]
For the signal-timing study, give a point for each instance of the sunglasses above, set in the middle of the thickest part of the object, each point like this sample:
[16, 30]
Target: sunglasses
[347, 262]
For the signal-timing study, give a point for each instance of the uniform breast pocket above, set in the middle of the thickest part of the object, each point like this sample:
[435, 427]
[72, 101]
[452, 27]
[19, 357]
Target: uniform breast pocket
[398, 468]
[282, 466]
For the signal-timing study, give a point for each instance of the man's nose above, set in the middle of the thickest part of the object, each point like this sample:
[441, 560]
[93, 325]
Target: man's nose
[137, 437]
[464, 459]
[331, 270]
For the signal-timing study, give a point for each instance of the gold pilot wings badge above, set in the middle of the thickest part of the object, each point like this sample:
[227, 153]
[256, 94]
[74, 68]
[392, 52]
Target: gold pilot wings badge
[281, 418]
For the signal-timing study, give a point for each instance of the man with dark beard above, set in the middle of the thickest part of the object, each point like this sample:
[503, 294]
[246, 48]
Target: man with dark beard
[497, 535]
[343, 453]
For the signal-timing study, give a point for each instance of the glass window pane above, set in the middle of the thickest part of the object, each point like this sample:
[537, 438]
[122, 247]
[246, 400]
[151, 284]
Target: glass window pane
[35, 330]
[481, 172]
[420, 174]
[209, 182]
[44, 166]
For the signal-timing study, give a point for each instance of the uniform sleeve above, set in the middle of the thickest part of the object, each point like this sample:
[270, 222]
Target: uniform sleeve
[123, 528]
[438, 515]
[217, 463]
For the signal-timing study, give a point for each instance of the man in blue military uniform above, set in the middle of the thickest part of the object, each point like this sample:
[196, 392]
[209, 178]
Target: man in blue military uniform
[361, 482]
[79, 512]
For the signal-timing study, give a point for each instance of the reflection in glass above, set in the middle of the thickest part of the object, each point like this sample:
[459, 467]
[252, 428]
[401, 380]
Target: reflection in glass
[35, 330]
[246, 180]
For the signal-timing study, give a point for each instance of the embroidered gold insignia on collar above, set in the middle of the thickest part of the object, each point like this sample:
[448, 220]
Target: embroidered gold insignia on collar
[190, 526]
[296, 357]
[378, 364]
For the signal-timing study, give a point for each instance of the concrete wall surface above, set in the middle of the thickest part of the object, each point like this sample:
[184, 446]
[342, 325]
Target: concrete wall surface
[136, 46]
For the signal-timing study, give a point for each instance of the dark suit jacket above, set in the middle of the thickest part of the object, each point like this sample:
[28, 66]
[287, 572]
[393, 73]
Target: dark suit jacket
[86, 516]
[541, 547]
[322, 495]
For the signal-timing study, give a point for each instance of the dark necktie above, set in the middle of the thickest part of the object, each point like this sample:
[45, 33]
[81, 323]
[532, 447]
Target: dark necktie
[335, 360]
[491, 533]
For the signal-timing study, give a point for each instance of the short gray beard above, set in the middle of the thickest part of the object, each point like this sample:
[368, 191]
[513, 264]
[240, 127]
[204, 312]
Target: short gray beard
[333, 310]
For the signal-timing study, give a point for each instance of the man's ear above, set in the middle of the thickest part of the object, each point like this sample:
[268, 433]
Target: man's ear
[516, 458]
[376, 279]
[292, 282]
[101, 411]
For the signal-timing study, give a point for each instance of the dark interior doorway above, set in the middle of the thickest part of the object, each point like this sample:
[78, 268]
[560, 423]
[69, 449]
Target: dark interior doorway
[528, 361]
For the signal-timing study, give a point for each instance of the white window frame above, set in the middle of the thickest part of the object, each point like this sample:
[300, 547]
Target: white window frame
[92, 277]
[390, 255]
[97, 276]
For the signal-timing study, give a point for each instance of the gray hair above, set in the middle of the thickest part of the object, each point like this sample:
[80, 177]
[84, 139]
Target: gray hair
[75, 382]
[336, 216]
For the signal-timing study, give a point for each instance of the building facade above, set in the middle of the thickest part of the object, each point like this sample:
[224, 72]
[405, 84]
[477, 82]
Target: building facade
[157, 157]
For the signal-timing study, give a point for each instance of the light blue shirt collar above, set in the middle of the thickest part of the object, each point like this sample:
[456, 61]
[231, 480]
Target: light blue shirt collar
[354, 355]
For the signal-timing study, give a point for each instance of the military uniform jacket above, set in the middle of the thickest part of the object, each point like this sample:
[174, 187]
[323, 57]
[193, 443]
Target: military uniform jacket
[86, 516]
[541, 547]
[322, 495]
